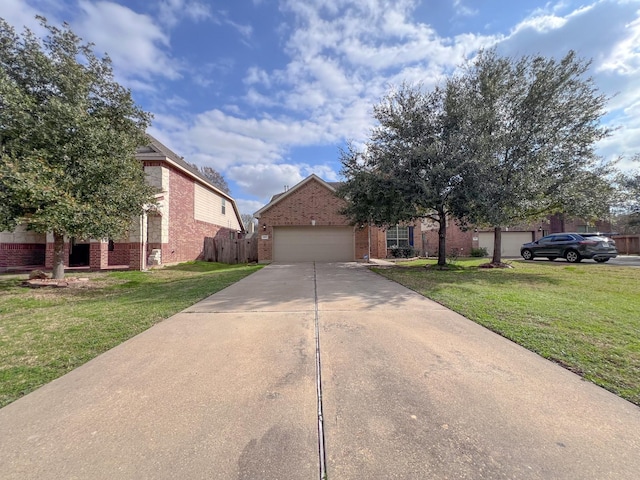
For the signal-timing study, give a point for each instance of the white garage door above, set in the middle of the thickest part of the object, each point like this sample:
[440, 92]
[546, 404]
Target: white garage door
[307, 244]
[511, 242]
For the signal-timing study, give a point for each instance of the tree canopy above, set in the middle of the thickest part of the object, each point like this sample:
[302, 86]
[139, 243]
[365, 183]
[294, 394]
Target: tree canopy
[411, 166]
[247, 220]
[628, 207]
[214, 177]
[68, 136]
[504, 141]
[531, 125]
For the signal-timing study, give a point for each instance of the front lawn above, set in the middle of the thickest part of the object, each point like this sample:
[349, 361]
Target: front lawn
[46, 332]
[586, 316]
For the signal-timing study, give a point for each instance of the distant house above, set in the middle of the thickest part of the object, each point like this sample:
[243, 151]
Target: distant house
[461, 241]
[190, 209]
[304, 224]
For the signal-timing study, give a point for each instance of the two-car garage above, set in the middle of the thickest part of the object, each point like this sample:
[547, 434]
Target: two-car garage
[511, 242]
[313, 243]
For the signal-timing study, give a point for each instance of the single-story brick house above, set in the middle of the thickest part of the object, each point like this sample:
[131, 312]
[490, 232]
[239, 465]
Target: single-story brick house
[190, 209]
[304, 224]
[462, 241]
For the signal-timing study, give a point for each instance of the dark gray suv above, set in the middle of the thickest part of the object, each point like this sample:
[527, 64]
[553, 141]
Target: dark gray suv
[572, 246]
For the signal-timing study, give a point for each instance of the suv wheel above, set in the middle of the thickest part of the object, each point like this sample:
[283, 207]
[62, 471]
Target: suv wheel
[601, 260]
[527, 254]
[572, 256]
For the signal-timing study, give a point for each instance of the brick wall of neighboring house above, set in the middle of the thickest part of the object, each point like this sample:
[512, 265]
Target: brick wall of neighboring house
[559, 223]
[21, 248]
[311, 201]
[457, 240]
[186, 234]
[16, 255]
[120, 254]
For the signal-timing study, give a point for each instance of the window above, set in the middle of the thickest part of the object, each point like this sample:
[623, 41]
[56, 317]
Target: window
[224, 206]
[398, 236]
[586, 229]
[563, 238]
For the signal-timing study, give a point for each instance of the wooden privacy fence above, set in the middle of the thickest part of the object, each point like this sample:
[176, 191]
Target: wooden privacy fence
[229, 250]
[627, 244]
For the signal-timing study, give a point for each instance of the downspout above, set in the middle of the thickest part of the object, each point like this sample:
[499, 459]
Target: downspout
[143, 242]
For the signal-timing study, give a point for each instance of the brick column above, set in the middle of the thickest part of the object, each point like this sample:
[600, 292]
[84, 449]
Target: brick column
[136, 256]
[98, 254]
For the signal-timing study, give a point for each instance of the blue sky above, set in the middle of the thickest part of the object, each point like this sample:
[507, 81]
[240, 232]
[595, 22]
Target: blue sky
[267, 91]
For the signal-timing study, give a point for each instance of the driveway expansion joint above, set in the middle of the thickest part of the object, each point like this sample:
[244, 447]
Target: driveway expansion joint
[321, 444]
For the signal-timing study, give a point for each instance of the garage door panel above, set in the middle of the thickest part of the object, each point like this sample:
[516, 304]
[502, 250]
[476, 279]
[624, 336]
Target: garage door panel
[319, 244]
[511, 242]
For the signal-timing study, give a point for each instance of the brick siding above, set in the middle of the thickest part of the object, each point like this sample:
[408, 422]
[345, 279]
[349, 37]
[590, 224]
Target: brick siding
[457, 240]
[120, 254]
[186, 234]
[21, 255]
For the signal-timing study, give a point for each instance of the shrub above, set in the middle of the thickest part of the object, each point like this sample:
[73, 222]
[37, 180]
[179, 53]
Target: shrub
[479, 252]
[402, 252]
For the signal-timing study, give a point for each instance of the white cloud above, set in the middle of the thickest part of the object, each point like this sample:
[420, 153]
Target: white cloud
[325, 172]
[464, 10]
[263, 180]
[171, 12]
[245, 30]
[249, 206]
[137, 46]
[257, 75]
[20, 14]
[606, 31]
[624, 58]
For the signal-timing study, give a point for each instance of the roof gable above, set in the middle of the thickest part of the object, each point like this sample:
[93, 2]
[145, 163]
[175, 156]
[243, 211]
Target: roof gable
[277, 198]
[156, 149]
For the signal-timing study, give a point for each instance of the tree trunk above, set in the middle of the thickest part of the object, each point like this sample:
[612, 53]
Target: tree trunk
[58, 255]
[442, 241]
[497, 246]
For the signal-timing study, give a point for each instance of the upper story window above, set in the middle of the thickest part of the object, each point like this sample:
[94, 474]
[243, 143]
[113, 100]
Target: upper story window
[224, 206]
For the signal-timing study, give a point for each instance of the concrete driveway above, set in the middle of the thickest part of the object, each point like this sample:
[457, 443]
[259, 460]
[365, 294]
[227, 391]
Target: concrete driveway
[228, 389]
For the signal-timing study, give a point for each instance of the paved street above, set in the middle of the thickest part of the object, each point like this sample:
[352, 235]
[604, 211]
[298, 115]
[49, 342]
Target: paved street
[227, 389]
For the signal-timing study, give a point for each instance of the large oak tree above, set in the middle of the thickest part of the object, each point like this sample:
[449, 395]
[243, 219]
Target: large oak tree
[413, 163]
[531, 126]
[68, 136]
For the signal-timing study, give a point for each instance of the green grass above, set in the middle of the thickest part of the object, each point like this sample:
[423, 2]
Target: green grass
[46, 332]
[586, 317]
